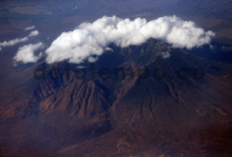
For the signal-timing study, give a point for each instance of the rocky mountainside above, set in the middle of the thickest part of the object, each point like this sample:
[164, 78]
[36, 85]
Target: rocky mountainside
[137, 104]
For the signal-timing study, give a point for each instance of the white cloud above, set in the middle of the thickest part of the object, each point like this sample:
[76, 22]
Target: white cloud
[166, 55]
[18, 40]
[0, 49]
[25, 53]
[91, 39]
[34, 33]
[29, 28]
[92, 59]
[13, 42]
[109, 49]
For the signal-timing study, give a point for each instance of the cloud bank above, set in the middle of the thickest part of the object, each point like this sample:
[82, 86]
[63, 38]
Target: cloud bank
[25, 53]
[91, 39]
[18, 40]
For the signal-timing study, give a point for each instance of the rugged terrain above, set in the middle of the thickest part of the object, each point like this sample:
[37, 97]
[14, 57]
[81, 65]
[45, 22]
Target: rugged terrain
[175, 111]
[182, 108]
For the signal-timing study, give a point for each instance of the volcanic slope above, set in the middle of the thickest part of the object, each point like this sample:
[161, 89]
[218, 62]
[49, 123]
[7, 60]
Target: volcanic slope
[182, 108]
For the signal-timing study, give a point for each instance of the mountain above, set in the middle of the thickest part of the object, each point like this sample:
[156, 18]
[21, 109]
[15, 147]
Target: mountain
[178, 106]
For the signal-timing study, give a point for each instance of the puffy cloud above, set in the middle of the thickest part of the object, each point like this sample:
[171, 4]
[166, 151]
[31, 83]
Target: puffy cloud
[18, 40]
[29, 28]
[109, 49]
[92, 59]
[34, 33]
[25, 53]
[166, 55]
[91, 39]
